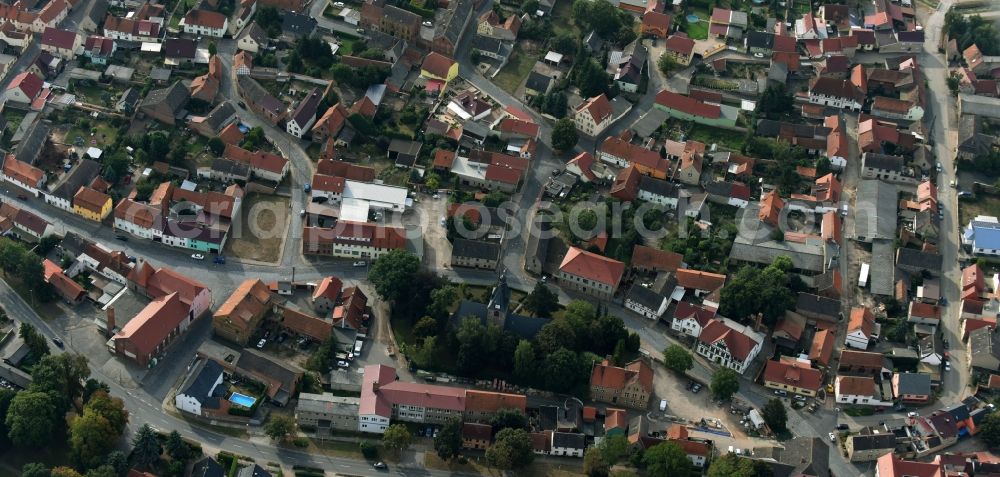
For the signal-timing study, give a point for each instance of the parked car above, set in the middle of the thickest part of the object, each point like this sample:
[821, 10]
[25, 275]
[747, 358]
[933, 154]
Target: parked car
[261, 343]
[58, 342]
[338, 4]
[197, 256]
[663, 405]
[696, 388]
[833, 437]
[343, 364]
[779, 392]
[121, 237]
[360, 263]
[380, 465]
[798, 397]
[842, 427]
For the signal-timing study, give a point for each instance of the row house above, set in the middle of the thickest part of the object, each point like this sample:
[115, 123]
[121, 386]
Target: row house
[205, 23]
[794, 376]
[23, 175]
[260, 101]
[353, 240]
[836, 93]
[898, 109]
[621, 153]
[263, 165]
[304, 116]
[61, 43]
[238, 317]
[135, 30]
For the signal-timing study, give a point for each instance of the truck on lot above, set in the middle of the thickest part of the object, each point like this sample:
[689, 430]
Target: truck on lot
[863, 277]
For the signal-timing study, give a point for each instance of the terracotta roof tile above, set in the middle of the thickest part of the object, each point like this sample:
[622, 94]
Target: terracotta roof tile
[591, 266]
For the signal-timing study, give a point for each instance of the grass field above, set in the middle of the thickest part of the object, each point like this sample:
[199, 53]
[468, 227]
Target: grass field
[103, 136]
[264, 220]
[513, 73]
[477, 465]
[982, 205]
[698, 31]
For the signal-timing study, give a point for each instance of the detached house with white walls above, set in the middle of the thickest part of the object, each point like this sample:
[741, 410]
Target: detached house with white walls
[198, 392]
[729, 344]
[205, 22]
[691, 319]
[304, 116]
[594, 115]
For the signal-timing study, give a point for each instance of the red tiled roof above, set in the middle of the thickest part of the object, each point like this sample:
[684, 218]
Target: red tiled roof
[598, 107]
[90, 199]
[861, 358]
[679, 43]
[258, 160]
[329, 288]
[205, 18]
[698, 313]
[584, 161]
[505, 175]
[326, 183]
[379, 237]
[822, 347]
[890, 466]
[437, 64]
[248, 301]
[490, 401]
[607, 375]
[444, 159]
[517, 126]
[793, 374]
[650, 257]
[688, 105]
[29, 83]
[61, 39]
[861, 319]
[924, 310]
[699, 280]
[346, 170]
[856, 385]
[591, 266]
[22, 171]
[739, 344]
[154, 323]
[770, 208]
[164, 281]
[231, 134]
[784, 44]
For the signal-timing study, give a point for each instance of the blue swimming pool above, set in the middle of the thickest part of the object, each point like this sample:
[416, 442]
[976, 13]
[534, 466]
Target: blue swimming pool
[692, 18]
[242, 400]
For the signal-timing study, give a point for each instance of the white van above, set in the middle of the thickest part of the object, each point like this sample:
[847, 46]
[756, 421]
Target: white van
[663, 405]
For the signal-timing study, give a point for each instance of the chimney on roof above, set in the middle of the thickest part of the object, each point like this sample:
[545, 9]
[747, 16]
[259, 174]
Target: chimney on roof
[110, 328]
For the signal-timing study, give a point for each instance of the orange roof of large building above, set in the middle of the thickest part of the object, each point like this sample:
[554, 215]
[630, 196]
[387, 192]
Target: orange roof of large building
[376, 236]
[306, 324]
[437, 64]
[346, 170]
[247, 302]
[591, 266]
[687, 104]
[329, 288]
[856, 385]
[738, 344]
[655, 258]
[598, 107]
[679, 43]
[164, 281]
[891, 466]
[793, 373]
[607, 375]
[205, 18]
[21, 171]
[699, 280]
[90, 199]
[155, 322]
[865, 359]
[490, 401]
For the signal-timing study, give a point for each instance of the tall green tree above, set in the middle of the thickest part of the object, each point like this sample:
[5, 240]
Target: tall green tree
[397, 438]
[112, 409]
[392, 273]
[725, 383]
[566, 371]
[6, 396]
[177, 449]
[62, 376]
[508, 419]
[542, 301]
[511, 449]
[279, 427]
[614, 448]
[590, 78]
[731, 465]
[594, 464]
[146, 447]
[524, 362]
[35, 469]
[448, 442]
[564, 135]
[32, 418]
[775, 415]
[666, 459]
[91, 438]
[38, 347]
[64, 471]
[754, 290]
[989, 430]
[677, 359]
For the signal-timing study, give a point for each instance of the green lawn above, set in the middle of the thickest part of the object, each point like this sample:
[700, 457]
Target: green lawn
[514, 72]
[104, 135]
[982, 205]
[724, 138]
[562, 15]
[698, 31]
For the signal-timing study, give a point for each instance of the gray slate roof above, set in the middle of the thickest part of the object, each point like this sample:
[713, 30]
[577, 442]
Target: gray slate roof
[883, 162]
[475, 249]
[817, 304]
[914, 383]
[645, 297]
[875, 210]
[913, 258]
[201, 379]
[569, 440]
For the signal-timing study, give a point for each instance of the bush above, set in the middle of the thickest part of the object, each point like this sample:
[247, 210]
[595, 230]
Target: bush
[369, 450]
[300, 442]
